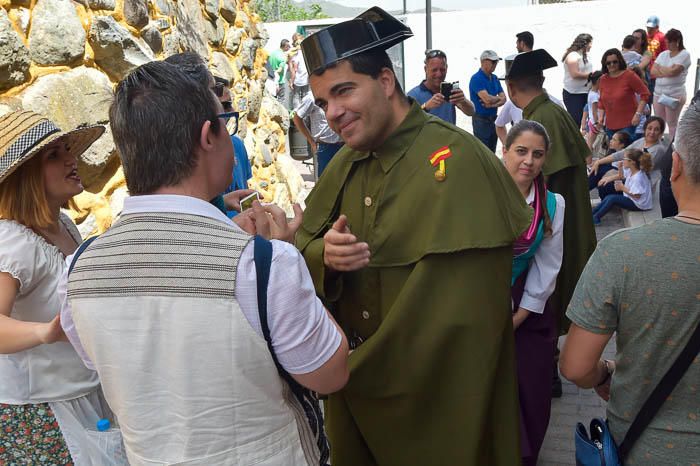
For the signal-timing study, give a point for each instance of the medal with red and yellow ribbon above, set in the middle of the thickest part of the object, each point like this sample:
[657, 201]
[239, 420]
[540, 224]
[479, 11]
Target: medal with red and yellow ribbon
[438, 159]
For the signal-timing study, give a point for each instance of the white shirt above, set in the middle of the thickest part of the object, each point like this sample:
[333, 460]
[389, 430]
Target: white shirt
[510, 113]
[673, 86]
[577, 85]
[44, 373]
[301, 78]
[544, 266]
[593, 97]
[319, 128]
[303, 336]
[639, 183]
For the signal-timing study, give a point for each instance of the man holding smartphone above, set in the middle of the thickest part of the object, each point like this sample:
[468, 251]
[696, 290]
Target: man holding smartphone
[429, 92]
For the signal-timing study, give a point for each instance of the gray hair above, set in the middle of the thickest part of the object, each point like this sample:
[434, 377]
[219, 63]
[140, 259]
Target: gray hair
[687, 141]
[156, 118]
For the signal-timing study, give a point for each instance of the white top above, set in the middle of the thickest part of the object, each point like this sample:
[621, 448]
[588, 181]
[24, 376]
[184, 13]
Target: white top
[303, 336]
[593, 97]
[545, 265]
[46, 372]
[656, 150]
[301, 78]
[577, 85]
[639, 183]
[511, 113]
[672, 86]
[319, 129]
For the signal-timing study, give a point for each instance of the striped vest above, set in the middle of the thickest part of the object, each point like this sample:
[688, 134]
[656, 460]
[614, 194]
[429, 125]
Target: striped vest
[188, 378]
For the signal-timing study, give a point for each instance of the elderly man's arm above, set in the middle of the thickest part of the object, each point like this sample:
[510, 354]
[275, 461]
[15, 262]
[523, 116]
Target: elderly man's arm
[580, 360]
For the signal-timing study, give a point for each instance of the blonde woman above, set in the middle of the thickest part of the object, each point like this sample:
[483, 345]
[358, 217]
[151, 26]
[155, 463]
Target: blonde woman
[39, 370]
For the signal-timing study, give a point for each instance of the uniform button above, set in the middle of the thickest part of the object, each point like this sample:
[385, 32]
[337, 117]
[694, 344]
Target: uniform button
[365, 315]
[368, 201]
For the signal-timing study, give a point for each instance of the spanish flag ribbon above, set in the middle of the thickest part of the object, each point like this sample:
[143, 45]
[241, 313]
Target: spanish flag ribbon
[440, 155]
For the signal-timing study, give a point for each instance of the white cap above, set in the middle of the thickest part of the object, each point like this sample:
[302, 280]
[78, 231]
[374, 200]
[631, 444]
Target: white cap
[490, 55]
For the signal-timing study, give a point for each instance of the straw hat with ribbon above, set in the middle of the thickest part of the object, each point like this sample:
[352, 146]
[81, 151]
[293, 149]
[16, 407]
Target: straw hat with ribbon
[23, 134]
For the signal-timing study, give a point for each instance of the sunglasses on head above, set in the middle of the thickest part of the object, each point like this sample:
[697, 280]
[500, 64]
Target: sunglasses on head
[219, 89]
[434, 53]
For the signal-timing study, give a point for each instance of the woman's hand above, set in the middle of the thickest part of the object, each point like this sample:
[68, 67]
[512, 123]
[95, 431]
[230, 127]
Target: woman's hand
[619, 186]
[51, 332]
[519, 317]
[595, 166]
[635, 119]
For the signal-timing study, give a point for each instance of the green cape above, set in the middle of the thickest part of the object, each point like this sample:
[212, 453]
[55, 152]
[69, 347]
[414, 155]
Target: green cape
[565, 169]
[434, 381]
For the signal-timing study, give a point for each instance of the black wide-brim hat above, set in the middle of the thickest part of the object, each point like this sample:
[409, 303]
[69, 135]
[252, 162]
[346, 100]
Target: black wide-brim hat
[373, 29]
[529, 63]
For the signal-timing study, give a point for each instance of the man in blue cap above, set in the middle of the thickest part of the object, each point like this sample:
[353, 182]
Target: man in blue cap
[656, 43]
[408, 236]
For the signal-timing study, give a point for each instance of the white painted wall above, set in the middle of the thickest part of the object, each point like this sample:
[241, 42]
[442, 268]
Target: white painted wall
[463, 35]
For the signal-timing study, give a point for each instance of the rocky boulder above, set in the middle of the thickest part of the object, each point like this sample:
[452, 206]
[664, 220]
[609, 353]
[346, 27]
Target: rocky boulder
[77, 97]
[136, 13]
[220, 66]
[191, 28]
[116, 50]
[14, 56]
[57, 36]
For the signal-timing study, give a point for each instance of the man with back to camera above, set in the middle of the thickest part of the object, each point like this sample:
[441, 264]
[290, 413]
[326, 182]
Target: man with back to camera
[524, 42]
[426, 303]
[487, 94]
[179, 334]
[429, 94]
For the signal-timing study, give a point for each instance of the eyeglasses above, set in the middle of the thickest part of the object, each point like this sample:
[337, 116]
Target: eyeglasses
[227, 116]
[434, 53]
[612, 62]
[219, 89]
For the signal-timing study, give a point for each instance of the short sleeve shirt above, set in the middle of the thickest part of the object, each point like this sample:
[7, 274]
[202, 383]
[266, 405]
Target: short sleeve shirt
[480, 82]
[445, 111]
[644, 284]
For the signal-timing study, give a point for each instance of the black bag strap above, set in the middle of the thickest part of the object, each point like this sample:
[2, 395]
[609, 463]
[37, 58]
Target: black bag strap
[662, 391]
[81, 249]
[262, 254]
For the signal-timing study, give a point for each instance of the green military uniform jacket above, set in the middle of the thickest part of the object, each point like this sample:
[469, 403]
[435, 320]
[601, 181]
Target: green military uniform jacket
[433, 382]
[565, 169]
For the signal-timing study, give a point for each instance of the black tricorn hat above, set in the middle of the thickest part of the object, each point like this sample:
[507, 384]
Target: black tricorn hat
[529, 63]
[373, 29]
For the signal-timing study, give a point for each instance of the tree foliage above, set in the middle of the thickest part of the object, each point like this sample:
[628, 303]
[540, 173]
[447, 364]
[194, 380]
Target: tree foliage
[287, 10]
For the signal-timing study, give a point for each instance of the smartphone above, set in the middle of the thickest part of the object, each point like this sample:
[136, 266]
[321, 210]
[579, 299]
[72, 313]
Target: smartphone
[247, 202]
[446, 90]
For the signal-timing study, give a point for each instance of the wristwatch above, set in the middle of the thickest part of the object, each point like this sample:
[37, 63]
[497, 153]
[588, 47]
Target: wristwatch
[608, 373]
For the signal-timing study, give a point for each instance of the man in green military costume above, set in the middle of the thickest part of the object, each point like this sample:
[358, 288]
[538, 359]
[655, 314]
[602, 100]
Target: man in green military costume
[564, 169]
[408, 236]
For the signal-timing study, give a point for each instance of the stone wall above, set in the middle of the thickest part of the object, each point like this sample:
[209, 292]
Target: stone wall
[62, 58]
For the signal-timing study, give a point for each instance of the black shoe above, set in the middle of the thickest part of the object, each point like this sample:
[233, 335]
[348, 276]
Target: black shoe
[556, 387]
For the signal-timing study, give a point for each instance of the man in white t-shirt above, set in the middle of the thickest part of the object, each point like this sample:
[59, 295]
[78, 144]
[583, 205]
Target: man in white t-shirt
[164, 305]
[510, 114]
[299, 81]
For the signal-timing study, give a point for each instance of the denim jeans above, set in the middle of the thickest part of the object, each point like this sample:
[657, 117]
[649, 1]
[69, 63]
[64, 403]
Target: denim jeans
[324, 154]
[574, 104]
[629, 130]
[611, 201]
[485, 131]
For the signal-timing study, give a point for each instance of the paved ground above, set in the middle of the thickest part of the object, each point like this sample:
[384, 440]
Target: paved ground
[576, 405]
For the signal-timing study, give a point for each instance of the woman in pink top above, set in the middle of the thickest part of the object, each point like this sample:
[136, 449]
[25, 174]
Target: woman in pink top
[618, 89]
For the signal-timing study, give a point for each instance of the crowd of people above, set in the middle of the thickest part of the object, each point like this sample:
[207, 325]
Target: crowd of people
[197, 327]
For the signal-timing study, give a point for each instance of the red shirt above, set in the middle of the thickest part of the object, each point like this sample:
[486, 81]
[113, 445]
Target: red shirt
[617, 98]
[656, 44]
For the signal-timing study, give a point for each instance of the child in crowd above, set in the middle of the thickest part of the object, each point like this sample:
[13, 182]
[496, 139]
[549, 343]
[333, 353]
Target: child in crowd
[636, 188]
[592, 124]
[617, 142]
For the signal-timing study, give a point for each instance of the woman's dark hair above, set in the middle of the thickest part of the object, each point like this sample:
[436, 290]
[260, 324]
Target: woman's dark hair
[658, 119]
[674, 35]
[628, 42]
[624, 138]
[594, 77]
[529, 126]
[622, 64]
[579, 45]
[644, 42]
[642, 159]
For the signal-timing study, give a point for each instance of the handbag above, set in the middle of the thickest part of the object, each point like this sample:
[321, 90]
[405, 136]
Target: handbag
[670, 102]
[311, 430]
[599, 449]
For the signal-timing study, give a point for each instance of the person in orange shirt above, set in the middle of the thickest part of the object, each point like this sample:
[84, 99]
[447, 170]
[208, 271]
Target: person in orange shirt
[656, 43]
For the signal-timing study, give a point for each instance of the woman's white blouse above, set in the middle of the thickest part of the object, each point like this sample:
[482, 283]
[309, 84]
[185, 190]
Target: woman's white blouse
[544, 266]
[46, 372]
